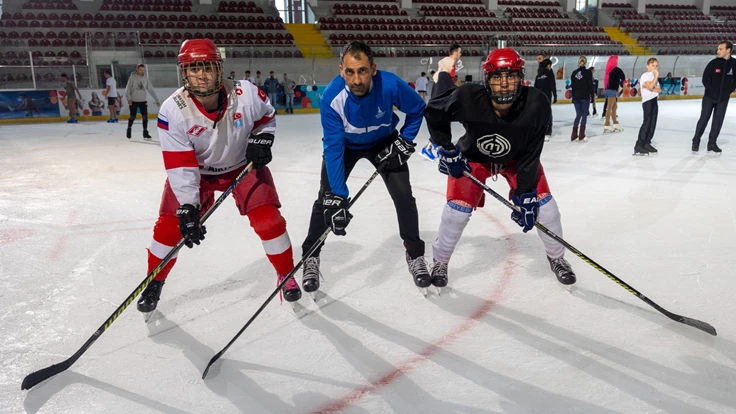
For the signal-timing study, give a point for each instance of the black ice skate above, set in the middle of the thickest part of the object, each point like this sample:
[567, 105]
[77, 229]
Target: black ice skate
[640, 151]
[420, 273]
[290, 291]
[562, 270]
[713, 149]
[651, 149]
[146, 136]
[439, 275]
[311, 276]
[149, 298]
[696, 147]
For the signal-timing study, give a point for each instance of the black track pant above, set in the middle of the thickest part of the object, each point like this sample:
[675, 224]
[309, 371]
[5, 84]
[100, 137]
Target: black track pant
[718, 109]
[399, 188]
[646, 132]
[143, 106]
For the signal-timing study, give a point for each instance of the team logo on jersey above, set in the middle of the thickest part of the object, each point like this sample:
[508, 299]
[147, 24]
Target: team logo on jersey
[196, 130]
[494, 145]
[730, 72]
[380, 113]
[239, 91]
[579, 76]
[238, 120]
[718, 71]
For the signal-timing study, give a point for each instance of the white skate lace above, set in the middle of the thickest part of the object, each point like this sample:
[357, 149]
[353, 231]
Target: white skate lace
[560, 264]
[311, 269]
[418, 266]
[439, 270]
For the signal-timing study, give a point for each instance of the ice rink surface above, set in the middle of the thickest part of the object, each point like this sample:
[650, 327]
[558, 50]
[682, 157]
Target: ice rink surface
[78, 202]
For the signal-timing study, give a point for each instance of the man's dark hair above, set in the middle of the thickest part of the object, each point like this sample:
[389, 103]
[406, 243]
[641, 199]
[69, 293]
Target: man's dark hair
[247, 72]
[258, 72]
[232, 72]
[141, 66]
[270, 73]
[107, 72]
[728, 44]
[63, 75]
[454, 48]
[424, 74]
[355, 48]
[431, 73]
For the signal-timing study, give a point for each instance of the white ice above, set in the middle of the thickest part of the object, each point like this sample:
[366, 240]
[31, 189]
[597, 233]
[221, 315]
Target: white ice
[78, 202]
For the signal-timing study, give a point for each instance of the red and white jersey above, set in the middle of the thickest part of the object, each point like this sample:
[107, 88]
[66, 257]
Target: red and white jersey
[193, 144]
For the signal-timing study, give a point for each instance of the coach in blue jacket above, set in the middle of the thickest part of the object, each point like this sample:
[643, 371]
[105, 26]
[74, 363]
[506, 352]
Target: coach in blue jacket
[358, 122]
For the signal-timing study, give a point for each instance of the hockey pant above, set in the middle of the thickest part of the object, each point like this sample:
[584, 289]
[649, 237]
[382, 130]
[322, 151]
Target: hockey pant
[464, 196]
[255, 197]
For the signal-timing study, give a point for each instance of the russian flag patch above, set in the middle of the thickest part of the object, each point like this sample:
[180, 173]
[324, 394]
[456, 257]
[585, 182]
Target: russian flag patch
[163, 123]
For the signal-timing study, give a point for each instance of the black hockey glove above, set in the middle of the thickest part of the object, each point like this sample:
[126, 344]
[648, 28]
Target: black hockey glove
[189, 226]
[337, 216]
[258, 150]
[526, 215]
[396, 153]
[452, 162]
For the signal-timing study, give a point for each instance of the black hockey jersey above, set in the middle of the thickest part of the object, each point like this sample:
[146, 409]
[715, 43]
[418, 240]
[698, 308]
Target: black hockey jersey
[517, 136]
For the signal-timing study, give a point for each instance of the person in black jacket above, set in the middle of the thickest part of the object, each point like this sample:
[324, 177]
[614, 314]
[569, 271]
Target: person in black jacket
[581, 83]
[545, 82]
[505, 124]
[719, 81]
[612, 81]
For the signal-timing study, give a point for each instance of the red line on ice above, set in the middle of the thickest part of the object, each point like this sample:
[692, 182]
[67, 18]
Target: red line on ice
[407, 366]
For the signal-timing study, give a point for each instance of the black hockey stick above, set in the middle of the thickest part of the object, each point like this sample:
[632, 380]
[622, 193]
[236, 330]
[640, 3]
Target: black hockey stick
[309, 254]
[41, 375]
[705, 327]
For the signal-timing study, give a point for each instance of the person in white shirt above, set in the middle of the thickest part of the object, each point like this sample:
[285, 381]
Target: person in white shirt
[111, 92]
[650, 89]
[210, 129]
[421, 85]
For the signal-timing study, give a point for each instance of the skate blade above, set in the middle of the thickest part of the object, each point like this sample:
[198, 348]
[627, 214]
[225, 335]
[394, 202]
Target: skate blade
[694, 152]
[714, 153]
[640, 154]
[423, 290]
[147, 316]
[298, 308]
[439, 290]
[569, 288]
[317, 295]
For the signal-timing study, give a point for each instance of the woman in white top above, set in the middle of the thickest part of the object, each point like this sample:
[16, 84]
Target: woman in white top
[649, 92]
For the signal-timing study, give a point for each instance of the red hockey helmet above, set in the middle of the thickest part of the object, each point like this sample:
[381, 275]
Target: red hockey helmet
[201, 62]
[503, 60]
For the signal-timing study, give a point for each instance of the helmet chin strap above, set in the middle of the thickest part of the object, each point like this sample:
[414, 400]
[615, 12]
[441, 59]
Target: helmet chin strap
[503, 98]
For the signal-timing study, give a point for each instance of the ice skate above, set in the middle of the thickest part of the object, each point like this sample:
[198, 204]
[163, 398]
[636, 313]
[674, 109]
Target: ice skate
[420, 273]
[562, 270]
[311, 276]
[607, 129]
[713, 149]
[429, 152]
[617, 127]
[149, 298]
[439, 276]
[640, 151]
[290, 291]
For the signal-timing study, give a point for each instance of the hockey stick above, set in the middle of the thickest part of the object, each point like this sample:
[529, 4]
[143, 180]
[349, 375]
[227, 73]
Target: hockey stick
[705, 327]
[309, 254]
[41, 375]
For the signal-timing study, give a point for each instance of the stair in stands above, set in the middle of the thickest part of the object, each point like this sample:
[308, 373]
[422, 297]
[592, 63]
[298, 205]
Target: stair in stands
[310, 40]
[629, 42]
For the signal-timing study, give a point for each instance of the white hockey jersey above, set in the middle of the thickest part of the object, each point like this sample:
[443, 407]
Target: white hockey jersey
[193, 144]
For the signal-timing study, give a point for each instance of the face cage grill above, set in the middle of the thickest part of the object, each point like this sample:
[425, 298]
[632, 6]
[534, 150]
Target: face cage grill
[505, 98]
[215, 67]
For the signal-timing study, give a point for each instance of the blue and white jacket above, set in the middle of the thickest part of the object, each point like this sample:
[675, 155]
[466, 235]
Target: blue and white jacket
[360, 123]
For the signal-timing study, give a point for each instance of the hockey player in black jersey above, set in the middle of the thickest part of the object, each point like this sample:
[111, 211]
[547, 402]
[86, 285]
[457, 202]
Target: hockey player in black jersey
[505, 124]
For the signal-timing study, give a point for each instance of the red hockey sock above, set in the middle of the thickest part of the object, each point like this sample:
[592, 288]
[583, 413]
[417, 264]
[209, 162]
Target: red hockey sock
[165, 236]
[271, 228]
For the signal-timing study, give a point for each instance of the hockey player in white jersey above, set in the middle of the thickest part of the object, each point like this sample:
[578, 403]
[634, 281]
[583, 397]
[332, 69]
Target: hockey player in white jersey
[209, 130]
